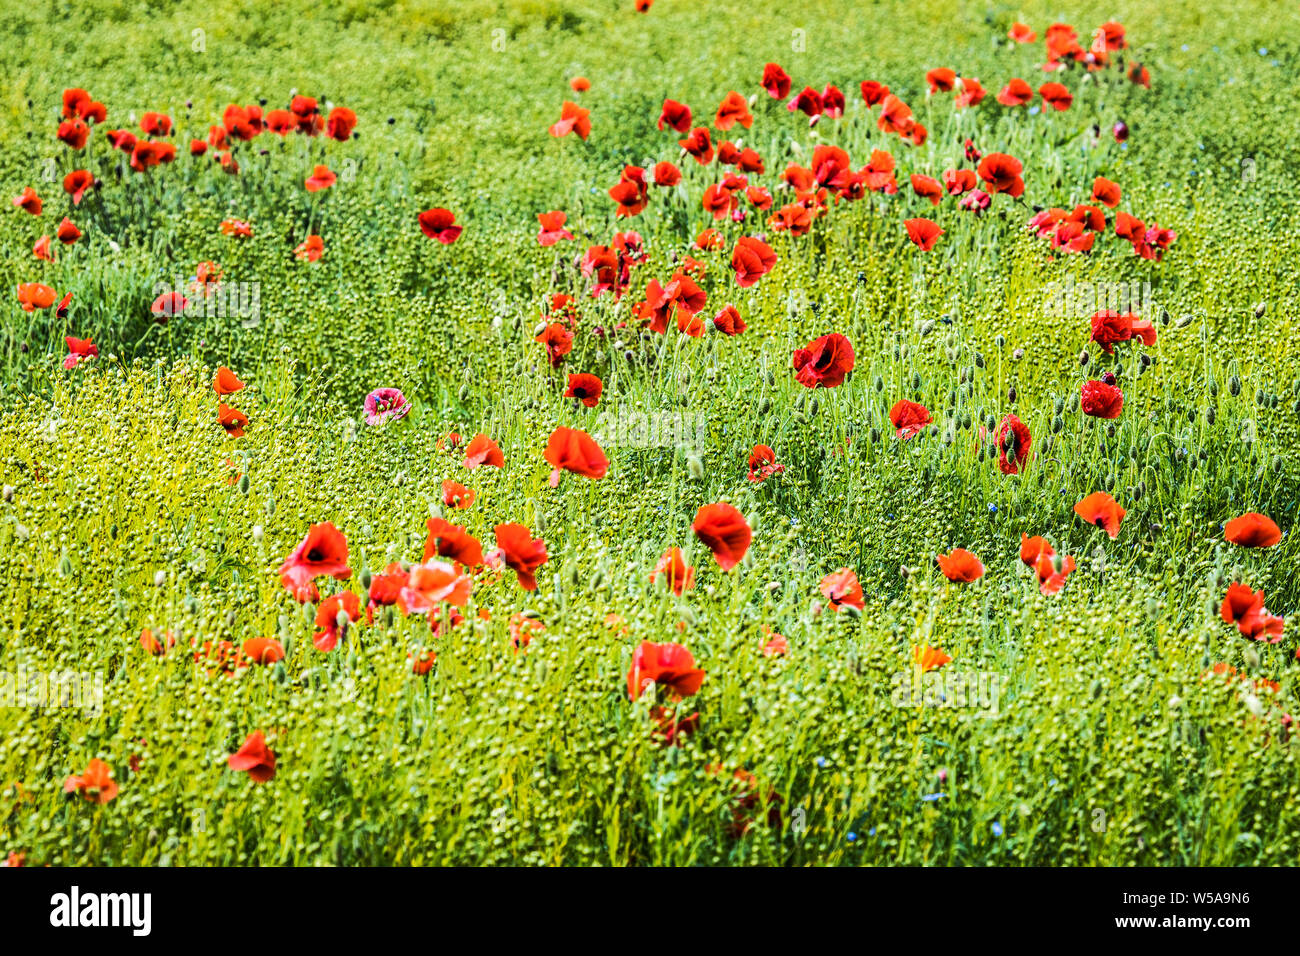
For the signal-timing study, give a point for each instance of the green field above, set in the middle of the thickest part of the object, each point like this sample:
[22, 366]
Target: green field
[1120, 720]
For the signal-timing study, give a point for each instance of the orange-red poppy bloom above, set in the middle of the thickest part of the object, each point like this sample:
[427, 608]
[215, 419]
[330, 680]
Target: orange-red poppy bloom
[1014, 442]
[432, 584]
[669, 667]
[482, 450]
[79, 350]
[231, 419]
[824, 362]
[226, 382]
[929, 658]
[733, 109]
[1102, 510]
[680, 575]
[841, 589]
[310, 249]
[573, 119]
[1031, 548]
[1001, 174]
[1106, 192]
[255, 757]
[456, 495]
[751, 259]
[724, 531]
[927, 187]
[95, 783]
[34, 295]
[1253, 530]
[552, 227]
[763, 463]
[1016, 93]
[570, 449]
[263, 650]
[321, 178]
[580, 84]
[521, 552]
[1240, 601]
[776, 81]
[29, 201]
[324, 551]
[447, 540]
[909, 418]
[960, 565]
[76, 183]
[585, 387]
[923, 232]
[340, 124]
[440, 224]
[1056, 96]
[1021, 33]
[1101, 399]
[1052, 571]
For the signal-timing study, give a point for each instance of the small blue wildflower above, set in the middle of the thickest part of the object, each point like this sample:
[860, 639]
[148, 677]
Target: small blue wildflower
[852, 836]
[932, 797]
[997, 828]
[993, 509]
[1035, 110]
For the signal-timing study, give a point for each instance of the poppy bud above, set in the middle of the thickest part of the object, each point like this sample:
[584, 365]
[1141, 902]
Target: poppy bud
[1234, 385]
[695, 467]
[875, 436]
[1058, 423]
[65, 567]
[1119, 131]
[112, 531]
[1095, 689]
[979, 360]
[243, 484]
[279, 672]
[1139, 491]
[308, 611]
[9, 492]
[879, 384]
[159, 579]
[21, 532]
[927, 327]
[1011, 394]
[462, 393]
[257, 533]
[813, 406]
[1000, 340]
[1083, 358]
[1260, 309]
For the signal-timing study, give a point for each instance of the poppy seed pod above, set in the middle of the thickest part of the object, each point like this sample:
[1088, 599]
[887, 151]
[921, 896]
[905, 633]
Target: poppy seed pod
[1084, 357]
[1234, 385]
[1000, 341]
[1011, 394]
[979, 360]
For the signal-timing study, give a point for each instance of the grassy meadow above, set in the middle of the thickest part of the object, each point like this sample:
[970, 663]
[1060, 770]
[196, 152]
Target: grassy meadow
[1118, 721]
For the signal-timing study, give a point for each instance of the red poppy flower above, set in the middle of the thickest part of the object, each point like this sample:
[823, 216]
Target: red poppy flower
[1052, 571]
[1239, 602]
[281, 122]
[148, 153]
[927, 658]
[941, 80]
[1101, 400]
[1102, 510]
[483, 451]
[226, 382]
[724, 531]
[456, 495]
[1016, 93]
[841, 589]
[1260, 625]
[751, 259]
[895, 115]
[342, 121]
[630, 193]
[580, 84]
[776, 645]
[320, 178]
[74, 101]
[909, 418]
[43, 249]
[28, 201]
[558, 341]
[958, 181]
[681, 576]
[153, 645]
[573, 119]
[169, 304]
[732, 110]
[263, 650]
[808, 101]
[324, 551]
[1056, 96]
[1032, 548]
[73, 132]
[763, 463]
[440, 224]
[676, 116]
[960, 565]
[923, 232]
[79, 350]
[729, 322]
[1013, 442]
[1105, 192]
[586, 388]
[776, 81]
[1253, 530]
[95, 783]
[447, 540]
[231, 419]
[927, 188]
[666, 174]
[552, 228]
[332, 617]
[1021, 33]
[824, 362]
[34, 295]
[671, 726]
[76, 183]
[873, 92]
[67, 233]
[699, 144]
[255, 757]
[570, 449]
[310, 249]
[521, 552]
[237, 228]
[1001, 174]
[667, 666]
[832, 102]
